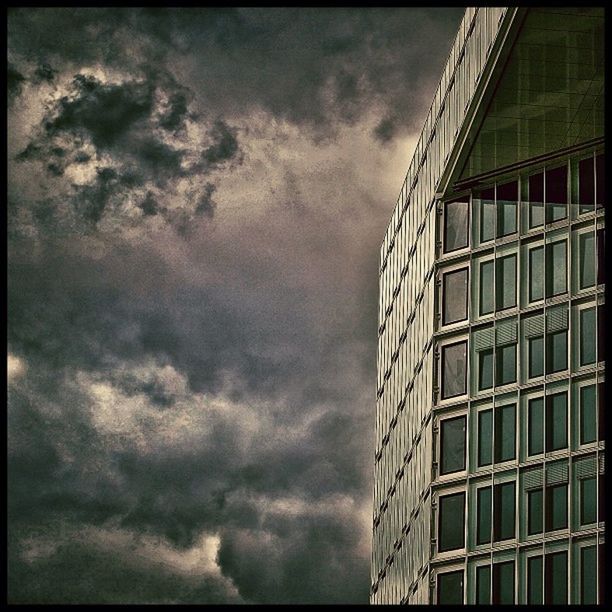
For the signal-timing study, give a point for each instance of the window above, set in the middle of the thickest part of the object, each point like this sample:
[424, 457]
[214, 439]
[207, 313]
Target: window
[503, 511]
[483, 584]
[587, 336]
[556, 194]
[505, 286]
[454, 296]
[556, 268]
[506, 364]
[536, 356]
[483, 515]
[502, 445]
[535, 508]
[452, 522]
[588, 501]
[507, 198]
[485, 437]
[453, 370]
[600, 168]
[588, 419]
[536, 274]
[535, 580]
[556, 421]
[450, 587]
[556, 507]
[601, 256]
[586, 248]
[487, 215]
[586, 185]
[485, 369]
[556, 578]
[601, 337]
[535, 424]
[588, 575]
[505, 432]
[486, 287]
[536, 200]
[455, 225]
[503, 582]
[556, 352]
[452, 437]
[601, 387]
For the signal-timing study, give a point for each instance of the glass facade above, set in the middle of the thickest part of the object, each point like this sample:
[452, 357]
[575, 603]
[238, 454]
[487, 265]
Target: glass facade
[489, 462]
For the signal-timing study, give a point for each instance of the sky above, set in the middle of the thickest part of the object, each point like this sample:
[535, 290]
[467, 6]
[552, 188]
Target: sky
[196, 200]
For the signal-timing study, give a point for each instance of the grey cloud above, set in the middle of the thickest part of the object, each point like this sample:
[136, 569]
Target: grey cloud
[224, 145]
[14, 81]
[218, 381]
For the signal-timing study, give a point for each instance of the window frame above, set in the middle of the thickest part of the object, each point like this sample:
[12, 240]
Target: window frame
[443, 418]
[442, 272]
[449, 492]
[442, 344]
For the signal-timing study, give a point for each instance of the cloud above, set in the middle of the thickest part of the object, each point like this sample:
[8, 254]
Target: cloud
[196, 200]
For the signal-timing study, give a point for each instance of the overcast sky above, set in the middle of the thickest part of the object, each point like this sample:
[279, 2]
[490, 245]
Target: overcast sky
[196, 199]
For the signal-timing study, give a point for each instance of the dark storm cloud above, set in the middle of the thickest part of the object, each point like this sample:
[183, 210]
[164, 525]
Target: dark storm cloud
[311, 66]
[14, 80]
[181, 380]
[224, 145]
[104, 112]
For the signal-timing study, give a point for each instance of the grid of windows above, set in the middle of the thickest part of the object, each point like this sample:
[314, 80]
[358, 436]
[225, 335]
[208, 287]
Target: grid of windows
[491, 366]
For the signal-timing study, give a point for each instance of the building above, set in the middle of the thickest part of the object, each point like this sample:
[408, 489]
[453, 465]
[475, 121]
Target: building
[489, 465]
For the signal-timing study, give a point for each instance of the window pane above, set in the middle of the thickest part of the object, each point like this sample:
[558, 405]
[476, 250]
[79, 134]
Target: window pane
[450, 588]
[586, 185]
[556, 578]
[601, 406]
[588, 575]
[485, 437]
[535, 509]
[483, 515]
[601, 496]
[483, 584]
[587, 259]
[455, 226]
[587, 336]
[485, 369]
[487, 215]
[453, 377]
[601, 336]
[503, 582]
[556, 194]
[455, 296]
[505, 287]
[536, 356]
[507, 197]
[601, 256]
[588, 421]
[536, 274]
[556, 268]
[556, 352]
[588, 501]
[534, 580]
[506, 364]
[503, 511]
[452, 432]
[556, 421]
[452, 523]
[536, 426]
[536, 199]
[600, 168]
[505, 432]
[486, 287]
[556, 507]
